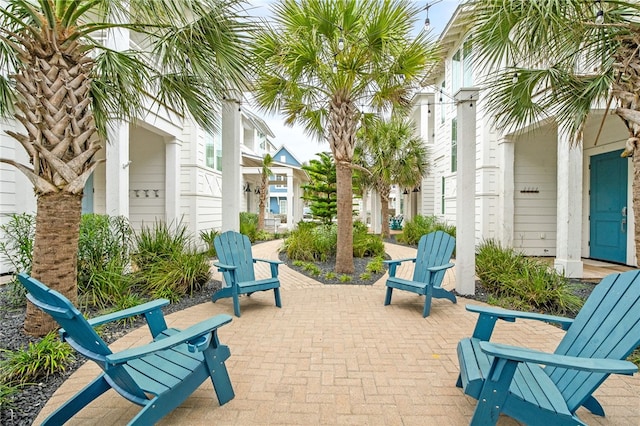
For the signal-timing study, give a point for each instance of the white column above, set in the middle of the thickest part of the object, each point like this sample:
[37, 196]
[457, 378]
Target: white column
[290, 199]
[569, 215]
[363, 211]
[376, 224]
[117, 169]
[117, 150]
[506, 203]
[231, 176]
[466, 99]
[172, 181]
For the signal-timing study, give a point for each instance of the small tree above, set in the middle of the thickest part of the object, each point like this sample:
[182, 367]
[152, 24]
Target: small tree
[391, 153]
[321, 193]
[267, 162]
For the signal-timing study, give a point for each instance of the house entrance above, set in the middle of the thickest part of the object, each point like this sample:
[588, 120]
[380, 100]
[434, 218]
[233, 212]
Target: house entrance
[608, 207]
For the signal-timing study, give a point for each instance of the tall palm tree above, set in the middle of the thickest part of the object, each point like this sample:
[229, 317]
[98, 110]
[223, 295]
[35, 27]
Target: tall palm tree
[64, 83]
[392, 154]
[563, 58]
[320, 61]
[267, 162]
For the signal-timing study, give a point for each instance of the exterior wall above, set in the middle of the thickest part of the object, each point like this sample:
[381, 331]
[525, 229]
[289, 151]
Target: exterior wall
[16, 191]
[535, 212]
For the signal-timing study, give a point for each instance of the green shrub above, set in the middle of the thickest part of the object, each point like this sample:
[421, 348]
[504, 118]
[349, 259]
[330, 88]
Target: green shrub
[365, 276]
[8, 392]
[523, 283]
[298, 263]
[376, 265]
[160, 242]
[174, 277]
[103, 242]
[40, 359]
[330, 275]
[208, 237]
[344, 278]
[249, 225]
[104, 287]
[419, 225]
[16, 245]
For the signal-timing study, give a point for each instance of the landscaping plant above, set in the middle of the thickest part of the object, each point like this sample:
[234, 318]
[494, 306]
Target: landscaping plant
[519, 282]
[420, 225]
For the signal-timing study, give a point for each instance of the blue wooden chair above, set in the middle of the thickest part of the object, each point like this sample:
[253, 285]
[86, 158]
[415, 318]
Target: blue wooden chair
[432, 261]
[158, 376]
[236, 264]
[511, 380]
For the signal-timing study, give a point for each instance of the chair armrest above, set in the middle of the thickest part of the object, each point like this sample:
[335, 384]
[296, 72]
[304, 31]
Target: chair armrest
[223, 268]
[595, 365]
[144, 308]
[393, 264]
[152, 314]
[489, 315]
[440, 267]
[398, 261]
[273, 264]
[189, 335]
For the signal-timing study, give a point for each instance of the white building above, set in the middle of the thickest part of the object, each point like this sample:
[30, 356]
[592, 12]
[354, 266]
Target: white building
[530, 190]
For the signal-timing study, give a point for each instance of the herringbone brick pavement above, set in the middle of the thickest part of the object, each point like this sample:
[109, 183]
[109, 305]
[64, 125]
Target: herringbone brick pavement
[334, 355]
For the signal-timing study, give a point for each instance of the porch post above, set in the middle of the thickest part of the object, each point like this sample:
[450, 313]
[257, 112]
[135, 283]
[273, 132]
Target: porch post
[569, 211]
[117, 164]
[467, 99]
[376, 224]
[506, 150]
[290, 217]
[172, 180]
[231, 177]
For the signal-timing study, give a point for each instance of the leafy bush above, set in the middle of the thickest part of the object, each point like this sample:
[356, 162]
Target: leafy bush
[519, 282]
[249, 225]
[105, 287]
[167, 263]
[16, 245]
[344, 278]
[315, 242]
[104, 245]
[419, 225]
[365, 276]
[40, 359]
[376, 265]
[159, 243]
[208, 237]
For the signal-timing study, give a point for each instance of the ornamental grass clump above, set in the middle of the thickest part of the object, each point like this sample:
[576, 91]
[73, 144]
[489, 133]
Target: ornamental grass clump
[520, 282]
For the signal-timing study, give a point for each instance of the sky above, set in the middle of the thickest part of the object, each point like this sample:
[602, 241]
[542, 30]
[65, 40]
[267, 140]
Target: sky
[304, 147]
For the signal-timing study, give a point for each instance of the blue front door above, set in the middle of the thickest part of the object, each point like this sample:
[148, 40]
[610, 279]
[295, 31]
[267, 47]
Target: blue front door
[87, 196]
[608, 209]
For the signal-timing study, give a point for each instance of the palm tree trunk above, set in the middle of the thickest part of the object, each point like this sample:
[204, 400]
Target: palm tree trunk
[55, 253]
[384, 210]
[344, 251]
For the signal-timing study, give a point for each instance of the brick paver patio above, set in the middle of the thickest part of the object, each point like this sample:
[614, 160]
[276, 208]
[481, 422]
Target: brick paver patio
[335, 355]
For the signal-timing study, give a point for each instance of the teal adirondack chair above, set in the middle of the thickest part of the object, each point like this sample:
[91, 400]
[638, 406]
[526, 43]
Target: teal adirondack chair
[158, 376]
[432, 261]
[236, 264]
[510, 380]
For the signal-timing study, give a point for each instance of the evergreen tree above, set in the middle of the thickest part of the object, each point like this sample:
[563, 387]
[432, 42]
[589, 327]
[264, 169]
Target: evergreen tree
[321, 193]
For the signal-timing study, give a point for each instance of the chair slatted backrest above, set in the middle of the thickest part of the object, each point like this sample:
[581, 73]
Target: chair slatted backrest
[234, 249]
[77, 331]
[607, 326]
[434, 249]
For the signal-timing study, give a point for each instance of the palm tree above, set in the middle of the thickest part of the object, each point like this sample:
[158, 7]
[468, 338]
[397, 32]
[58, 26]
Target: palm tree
[64, 84]
[267, 162]
[562, 59]
[392, 154]
[320, 61]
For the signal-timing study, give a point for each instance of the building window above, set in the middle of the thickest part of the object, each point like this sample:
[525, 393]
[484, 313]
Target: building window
[461, 68]
[213, 151]
[282, 205]
[441, 99]
[281, 181]
[454, 145]
[442, 196]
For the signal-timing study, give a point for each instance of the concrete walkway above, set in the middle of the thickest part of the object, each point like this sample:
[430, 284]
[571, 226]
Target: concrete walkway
[335, 355]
